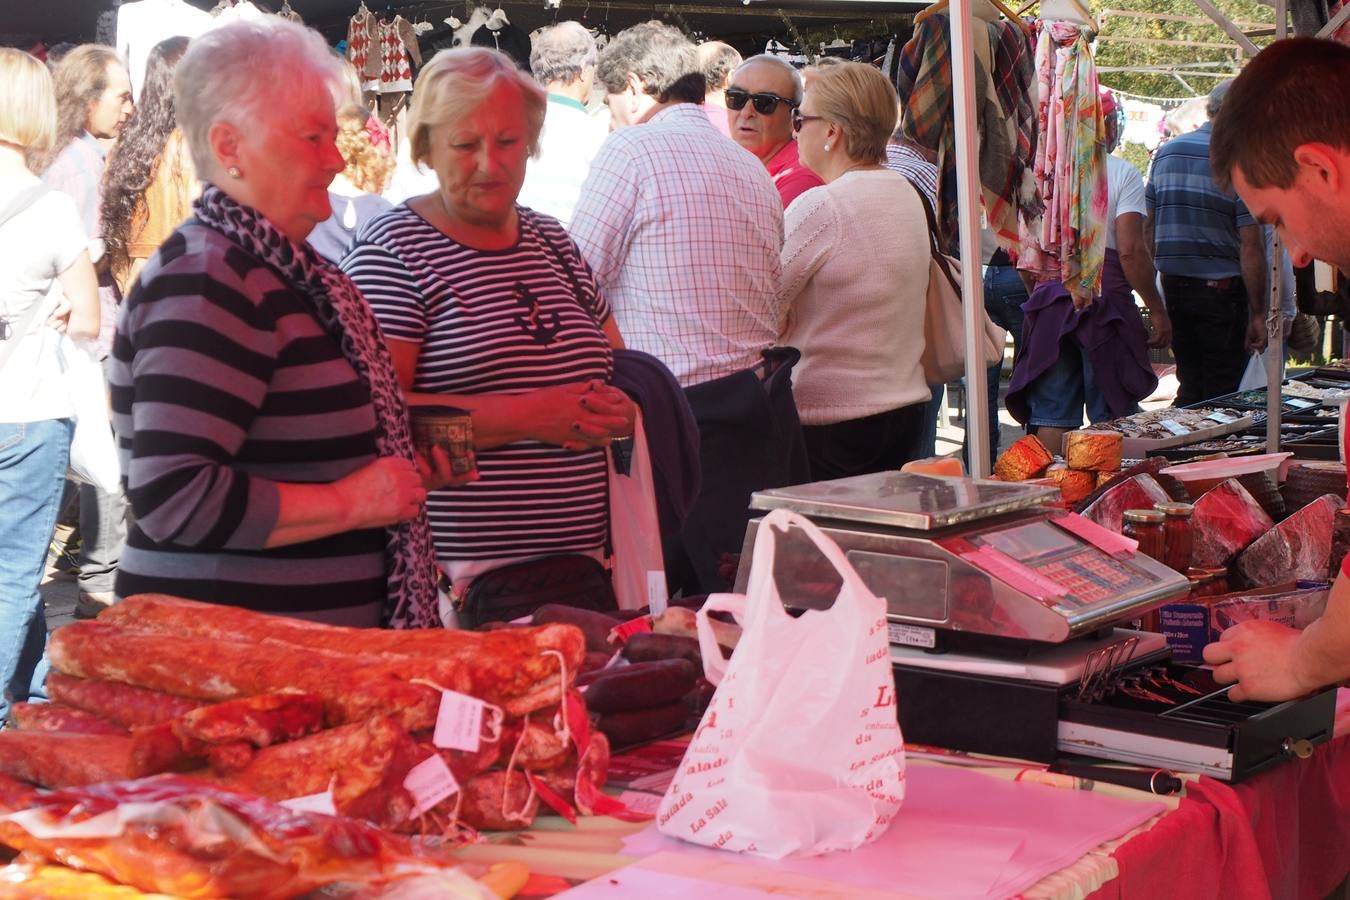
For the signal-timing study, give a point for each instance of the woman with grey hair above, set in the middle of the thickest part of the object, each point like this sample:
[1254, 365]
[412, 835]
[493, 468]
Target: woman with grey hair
[563, 61]
[264, 438]
[489, 306]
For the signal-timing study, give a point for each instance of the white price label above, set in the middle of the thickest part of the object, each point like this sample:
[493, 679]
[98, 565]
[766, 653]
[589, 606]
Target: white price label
[430, 782]
[657, 595]
[321, 803]
[459, 723]
[1175, 427]
[1221, 417]
[911, 635]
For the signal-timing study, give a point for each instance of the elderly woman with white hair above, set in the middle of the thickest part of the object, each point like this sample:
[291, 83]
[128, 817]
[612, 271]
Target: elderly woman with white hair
[489, 306]
[264, 438]
[563, 61]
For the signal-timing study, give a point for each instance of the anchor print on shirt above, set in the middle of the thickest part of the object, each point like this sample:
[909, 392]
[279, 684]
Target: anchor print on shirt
[538, 323]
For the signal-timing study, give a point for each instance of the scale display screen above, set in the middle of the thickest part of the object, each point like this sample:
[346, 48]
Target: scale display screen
[1089, 575]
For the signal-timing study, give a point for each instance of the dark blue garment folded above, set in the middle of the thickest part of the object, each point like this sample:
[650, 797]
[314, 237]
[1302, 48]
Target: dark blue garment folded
[672, 433]
[1111, 333]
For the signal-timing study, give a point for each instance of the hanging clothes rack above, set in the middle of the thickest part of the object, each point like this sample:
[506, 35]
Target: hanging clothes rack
[1012, 16]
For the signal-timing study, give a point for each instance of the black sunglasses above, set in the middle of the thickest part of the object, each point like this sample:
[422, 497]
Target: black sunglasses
[765, 103]
[798, 120]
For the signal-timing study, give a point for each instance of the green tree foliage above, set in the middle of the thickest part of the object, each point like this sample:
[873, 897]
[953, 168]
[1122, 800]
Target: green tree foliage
[1146, 20]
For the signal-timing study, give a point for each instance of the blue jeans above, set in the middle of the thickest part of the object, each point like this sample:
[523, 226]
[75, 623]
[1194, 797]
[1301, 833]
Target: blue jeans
[33, 460]
[1057, 398]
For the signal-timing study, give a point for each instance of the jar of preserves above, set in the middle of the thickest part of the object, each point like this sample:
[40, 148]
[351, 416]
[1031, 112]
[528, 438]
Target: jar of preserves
[1201, 581]
[1219, 582]
[1177, 537]
[1146, 527]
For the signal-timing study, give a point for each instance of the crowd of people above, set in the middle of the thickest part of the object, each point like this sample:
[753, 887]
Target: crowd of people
[738, 265]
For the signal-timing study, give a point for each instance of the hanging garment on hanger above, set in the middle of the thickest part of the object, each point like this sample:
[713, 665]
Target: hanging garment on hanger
[143, 24]
[924, 86]
[1013, 195]
[464, 33]
[287, 13]
[363, 48]
[1004, 117]
[1068, 242]
[242, 11]
[397, 41]
[509, 39]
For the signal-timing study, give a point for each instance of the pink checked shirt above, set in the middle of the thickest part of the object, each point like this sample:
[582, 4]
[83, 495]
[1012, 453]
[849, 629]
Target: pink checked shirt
[684, 229]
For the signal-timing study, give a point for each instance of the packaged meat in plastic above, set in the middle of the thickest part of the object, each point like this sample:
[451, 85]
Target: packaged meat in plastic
[1295, 609]
[1137, 492]
[180, 837]
[1298, 548]
[34, 878]
[1226, 521]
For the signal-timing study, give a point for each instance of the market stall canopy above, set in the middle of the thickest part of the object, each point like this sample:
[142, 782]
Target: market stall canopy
[735, 20]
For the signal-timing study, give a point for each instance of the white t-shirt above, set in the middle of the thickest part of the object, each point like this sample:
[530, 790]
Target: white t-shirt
[36, 246]
[143, 24]
[569, 142]
[1124, 194]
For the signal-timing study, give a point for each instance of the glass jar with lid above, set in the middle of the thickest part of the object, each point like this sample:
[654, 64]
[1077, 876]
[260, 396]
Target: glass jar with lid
[1146, 527]
[1177, 536]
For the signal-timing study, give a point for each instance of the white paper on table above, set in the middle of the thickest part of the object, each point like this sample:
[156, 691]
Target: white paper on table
[635, 881]
[960, 834]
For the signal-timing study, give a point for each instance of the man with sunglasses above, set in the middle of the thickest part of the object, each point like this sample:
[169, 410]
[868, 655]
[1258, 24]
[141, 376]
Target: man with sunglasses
[761, 105]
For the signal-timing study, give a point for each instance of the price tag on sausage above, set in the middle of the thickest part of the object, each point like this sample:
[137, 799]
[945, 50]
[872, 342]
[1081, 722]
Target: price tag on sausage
[430, 782]
[459, 723]
[321, 803]
[622, 633]
[1175, 427]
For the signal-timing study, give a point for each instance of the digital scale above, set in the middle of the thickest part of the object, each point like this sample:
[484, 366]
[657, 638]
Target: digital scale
[1003, 615]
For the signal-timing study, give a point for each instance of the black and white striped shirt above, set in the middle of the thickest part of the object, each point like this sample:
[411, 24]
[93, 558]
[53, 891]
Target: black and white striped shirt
[224, 384]
[497, 322]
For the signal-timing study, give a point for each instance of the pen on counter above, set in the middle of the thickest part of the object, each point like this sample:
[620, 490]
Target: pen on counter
[1153, 781]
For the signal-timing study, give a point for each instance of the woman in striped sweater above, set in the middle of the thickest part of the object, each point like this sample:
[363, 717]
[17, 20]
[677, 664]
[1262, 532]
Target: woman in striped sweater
[263, 433]
[489, 306]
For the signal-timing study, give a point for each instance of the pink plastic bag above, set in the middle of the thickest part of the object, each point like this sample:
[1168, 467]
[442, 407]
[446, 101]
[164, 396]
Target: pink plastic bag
[800, 750]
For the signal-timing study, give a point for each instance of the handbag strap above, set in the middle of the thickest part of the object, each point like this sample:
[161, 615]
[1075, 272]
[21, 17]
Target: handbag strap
[21, 201]
[943, 263]
[19, 327]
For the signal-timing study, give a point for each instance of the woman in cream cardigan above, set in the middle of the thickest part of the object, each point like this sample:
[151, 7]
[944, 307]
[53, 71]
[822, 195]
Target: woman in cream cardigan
[855, 276]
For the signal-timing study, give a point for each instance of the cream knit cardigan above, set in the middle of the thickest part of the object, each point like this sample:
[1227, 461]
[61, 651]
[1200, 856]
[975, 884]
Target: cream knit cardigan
[855, 277]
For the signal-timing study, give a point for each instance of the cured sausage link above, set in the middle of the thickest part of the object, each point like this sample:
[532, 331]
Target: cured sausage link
[55, 717]
[502, 665]
[364, 764]
[123, 704]
[353, 688]
[64, 760]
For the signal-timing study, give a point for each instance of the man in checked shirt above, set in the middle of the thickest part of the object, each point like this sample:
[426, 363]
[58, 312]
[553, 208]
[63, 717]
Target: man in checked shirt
[683, 229]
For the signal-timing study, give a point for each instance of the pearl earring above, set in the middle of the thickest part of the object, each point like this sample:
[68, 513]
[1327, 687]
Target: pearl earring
[234, 172]
[827, 146]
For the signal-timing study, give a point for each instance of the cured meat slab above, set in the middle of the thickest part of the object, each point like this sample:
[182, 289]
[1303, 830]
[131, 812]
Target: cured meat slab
[508, 667]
